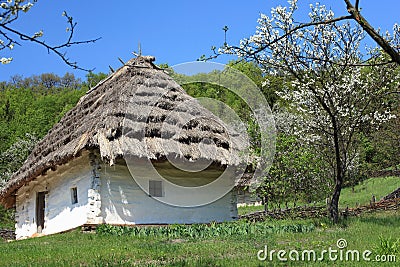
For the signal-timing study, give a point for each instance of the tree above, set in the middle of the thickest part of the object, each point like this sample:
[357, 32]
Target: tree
[331, 88]
[389, 44]
[69, 81]
[28, 106]
[50, 80]
[10, 11]
[92, 79]
[13, 158]
[269, 84]
[297, 173]
[381, 148]
[10, 161]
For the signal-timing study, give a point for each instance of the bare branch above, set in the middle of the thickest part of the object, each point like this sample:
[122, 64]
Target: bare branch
[54, 49]
[50, 48]
[393, 92]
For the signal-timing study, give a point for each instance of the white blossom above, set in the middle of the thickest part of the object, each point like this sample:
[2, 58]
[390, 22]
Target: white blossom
[330, 93]
[4, 60]
[38, 34]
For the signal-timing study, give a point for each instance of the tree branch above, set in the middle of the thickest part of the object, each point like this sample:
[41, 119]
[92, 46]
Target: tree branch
[55, 49]
[356, 15]
[357, 4]
[299, 27]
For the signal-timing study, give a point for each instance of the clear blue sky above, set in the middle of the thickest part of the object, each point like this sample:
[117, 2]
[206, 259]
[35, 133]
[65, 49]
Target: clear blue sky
[172, 31]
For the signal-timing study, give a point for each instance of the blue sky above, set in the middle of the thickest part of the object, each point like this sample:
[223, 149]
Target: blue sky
[172, 31]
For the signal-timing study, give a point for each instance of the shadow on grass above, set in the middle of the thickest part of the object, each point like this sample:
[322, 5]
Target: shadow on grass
[383, 221]
[367, 218]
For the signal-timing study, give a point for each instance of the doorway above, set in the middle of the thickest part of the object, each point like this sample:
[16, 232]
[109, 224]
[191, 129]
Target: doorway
[40, 210]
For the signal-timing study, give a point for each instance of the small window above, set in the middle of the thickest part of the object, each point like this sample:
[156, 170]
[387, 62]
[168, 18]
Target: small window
[155, 188]
[74, 195]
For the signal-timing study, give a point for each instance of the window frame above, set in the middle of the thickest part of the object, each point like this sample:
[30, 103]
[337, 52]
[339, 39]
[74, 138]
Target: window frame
[74, 195]
[156, 188]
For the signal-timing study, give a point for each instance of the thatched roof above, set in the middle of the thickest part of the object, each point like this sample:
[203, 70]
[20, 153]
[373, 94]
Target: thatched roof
[138, 110]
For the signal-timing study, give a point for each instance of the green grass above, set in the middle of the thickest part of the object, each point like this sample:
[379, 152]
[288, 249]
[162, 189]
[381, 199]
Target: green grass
[249, 209]
[376, 232]
[379, 187]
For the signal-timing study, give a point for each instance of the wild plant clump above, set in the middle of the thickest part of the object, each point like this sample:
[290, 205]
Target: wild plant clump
[196, 231]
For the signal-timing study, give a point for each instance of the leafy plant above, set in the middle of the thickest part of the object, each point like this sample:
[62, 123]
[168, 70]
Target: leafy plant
[196, 231]
[388, 246]
[6, 218]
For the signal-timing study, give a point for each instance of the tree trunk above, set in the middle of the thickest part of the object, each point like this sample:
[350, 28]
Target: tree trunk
[265, 204]
[334, 205]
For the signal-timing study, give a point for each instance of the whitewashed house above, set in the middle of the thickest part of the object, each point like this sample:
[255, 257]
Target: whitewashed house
[79, 173]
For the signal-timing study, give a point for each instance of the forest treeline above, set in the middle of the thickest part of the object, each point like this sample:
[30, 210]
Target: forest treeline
[29, 107]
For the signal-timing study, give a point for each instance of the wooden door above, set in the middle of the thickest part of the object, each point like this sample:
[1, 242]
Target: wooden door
[40, 209]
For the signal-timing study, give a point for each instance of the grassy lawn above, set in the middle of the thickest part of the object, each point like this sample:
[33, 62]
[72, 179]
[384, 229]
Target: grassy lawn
[89, 249]
[248, 209]
[379, 187]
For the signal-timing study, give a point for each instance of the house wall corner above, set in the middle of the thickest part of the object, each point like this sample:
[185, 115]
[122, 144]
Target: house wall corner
[94, 196]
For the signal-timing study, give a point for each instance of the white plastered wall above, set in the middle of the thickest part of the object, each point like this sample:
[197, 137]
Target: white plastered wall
[121, 199]
[60, 213]
[124, 202]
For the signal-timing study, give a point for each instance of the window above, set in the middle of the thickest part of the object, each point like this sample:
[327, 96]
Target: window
[155, 188]
[74, 195]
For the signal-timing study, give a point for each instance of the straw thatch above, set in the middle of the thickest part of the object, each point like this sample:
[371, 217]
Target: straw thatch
[138, 110]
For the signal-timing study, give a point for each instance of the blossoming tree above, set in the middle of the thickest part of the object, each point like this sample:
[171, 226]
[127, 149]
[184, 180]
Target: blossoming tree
[338, 90]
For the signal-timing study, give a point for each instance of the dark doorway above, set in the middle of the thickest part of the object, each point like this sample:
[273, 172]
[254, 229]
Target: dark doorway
[40, 206]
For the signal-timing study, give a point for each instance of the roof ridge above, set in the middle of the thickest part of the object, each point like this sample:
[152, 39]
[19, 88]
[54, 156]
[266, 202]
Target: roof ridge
[130, 63]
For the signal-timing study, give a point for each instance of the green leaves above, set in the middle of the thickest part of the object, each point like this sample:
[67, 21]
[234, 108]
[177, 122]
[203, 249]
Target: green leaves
[196, 231]
[297, 174]
[92, 79]
[33, 105]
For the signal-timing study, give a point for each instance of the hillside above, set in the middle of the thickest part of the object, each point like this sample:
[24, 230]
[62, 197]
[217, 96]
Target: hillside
[363, 192]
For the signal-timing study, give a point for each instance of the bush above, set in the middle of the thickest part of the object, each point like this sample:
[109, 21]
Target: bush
[7, 219]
